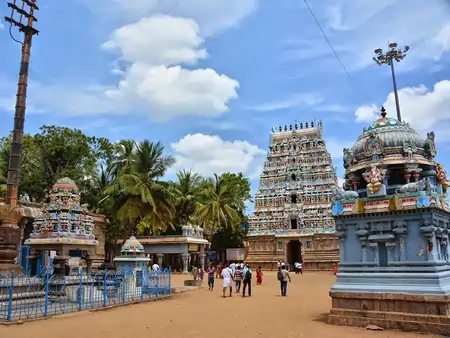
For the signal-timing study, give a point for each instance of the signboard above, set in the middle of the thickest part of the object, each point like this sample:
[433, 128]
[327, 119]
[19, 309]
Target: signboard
[237, 254]
[210, 255]
[193, 247]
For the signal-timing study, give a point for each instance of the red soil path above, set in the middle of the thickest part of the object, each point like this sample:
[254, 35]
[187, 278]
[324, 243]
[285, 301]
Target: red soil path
[202, 313]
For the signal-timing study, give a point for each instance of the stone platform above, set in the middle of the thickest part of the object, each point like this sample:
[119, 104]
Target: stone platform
[396, 311]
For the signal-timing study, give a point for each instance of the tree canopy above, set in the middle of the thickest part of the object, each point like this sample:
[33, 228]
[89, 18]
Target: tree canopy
[127, 182]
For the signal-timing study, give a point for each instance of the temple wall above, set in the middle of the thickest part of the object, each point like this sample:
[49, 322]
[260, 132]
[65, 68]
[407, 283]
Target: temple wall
[100, 233]
[318, 251]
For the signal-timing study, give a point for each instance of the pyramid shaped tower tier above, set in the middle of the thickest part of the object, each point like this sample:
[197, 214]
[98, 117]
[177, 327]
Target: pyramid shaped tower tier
[293, 203]
[65, 220]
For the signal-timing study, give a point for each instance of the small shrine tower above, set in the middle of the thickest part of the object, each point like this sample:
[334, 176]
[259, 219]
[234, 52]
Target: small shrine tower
[65, 227]
[393, 221]
[132, 256]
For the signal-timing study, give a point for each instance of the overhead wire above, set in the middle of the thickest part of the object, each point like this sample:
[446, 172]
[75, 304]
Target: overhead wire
[336, 55]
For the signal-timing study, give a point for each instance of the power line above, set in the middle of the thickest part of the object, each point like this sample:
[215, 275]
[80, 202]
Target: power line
[335, 53]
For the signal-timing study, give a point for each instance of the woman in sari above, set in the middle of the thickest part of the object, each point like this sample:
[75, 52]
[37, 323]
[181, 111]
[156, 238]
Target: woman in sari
[259, 276]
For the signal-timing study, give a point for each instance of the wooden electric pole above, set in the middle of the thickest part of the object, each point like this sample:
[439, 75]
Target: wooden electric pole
[23, 18]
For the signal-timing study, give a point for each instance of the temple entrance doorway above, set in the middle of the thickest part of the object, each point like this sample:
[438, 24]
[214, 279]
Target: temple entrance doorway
[294, 252]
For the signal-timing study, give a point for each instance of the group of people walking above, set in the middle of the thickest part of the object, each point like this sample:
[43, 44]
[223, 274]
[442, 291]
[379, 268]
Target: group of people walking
[239, 273]
[239, 276]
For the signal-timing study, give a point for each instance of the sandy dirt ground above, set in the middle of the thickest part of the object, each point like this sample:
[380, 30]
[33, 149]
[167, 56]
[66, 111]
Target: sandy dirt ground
[202, 313]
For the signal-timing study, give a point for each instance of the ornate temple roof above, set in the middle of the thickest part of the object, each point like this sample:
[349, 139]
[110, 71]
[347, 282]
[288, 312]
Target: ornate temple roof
[387, 141]
[132, 246]
[65, 184]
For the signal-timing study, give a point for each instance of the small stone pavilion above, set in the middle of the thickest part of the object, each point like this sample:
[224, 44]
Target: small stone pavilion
[132, 256]
[66, 227]
[393, 220]
[178, 251]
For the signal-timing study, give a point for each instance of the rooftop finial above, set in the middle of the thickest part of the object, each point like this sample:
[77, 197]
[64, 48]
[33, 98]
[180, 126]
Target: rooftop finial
[383, 111]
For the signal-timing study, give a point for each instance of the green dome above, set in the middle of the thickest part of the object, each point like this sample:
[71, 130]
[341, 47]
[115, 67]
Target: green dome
[65, 180]
[384, 122]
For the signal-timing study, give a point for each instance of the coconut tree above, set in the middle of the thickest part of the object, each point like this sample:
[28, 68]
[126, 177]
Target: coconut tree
[216, 209]
[125, 156]
[143, 201]
[187, 193]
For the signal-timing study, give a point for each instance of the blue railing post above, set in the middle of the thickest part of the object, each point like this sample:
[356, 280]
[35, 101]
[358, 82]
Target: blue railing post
[47, 281]
[157, 282]
[80, 288]
[104, 288]
[11, 289]
[144, 282]
[124, 286]
[170, 280]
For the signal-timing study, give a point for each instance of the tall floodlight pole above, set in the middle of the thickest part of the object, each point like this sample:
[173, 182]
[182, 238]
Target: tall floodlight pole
[22, 17]
[388, 58]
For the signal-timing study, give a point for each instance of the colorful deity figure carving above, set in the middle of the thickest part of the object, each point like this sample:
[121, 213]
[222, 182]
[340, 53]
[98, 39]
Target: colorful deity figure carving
[430, 146]
[374, 178]
[349, 157]
[373, 145]
[441, 176]
[409, 148]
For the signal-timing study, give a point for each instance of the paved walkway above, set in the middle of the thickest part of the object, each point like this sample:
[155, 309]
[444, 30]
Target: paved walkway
[201, 314]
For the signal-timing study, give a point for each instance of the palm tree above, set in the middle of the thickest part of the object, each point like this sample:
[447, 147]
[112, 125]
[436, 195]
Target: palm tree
[186, 192]
[215, 210]
[124, 157]
[142, 200]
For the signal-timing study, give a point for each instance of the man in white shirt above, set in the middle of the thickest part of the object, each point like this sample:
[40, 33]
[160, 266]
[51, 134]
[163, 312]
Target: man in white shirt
[233, 267]
[227, 276]
[278, 265]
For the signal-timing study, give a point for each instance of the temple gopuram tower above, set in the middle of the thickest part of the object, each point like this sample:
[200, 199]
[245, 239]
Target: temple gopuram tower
[292, 217]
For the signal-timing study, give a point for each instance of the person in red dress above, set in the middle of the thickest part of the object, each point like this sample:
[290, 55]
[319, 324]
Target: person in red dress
[259, 276]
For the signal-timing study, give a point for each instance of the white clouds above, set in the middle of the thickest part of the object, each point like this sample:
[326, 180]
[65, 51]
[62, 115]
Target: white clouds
[356, 28]
[153, 80]
[172, 92]
[159, 40]
[206, 154]
[151, 51]
[423, 108]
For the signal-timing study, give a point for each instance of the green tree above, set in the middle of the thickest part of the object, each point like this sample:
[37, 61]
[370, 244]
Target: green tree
[143, 201]
[31, 182]
[187, 193]
[216, 210]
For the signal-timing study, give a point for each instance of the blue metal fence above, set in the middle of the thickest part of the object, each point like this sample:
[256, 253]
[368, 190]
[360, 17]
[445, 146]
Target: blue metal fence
[23, 297]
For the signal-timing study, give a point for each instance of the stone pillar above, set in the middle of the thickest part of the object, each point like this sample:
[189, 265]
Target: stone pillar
[376, 259]
[363, 234]
[9, 242]
[416, 176]
[390, 246]
[407, 177]
[88, 260]
[201, 256]
[185, 260]
[400, 231]
[428, 229]
[355, 183]
[160, 258]
[401, 240]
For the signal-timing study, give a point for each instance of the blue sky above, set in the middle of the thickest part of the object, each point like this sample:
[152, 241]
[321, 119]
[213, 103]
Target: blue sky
[209, 78]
